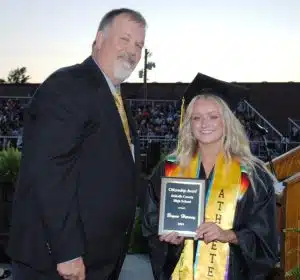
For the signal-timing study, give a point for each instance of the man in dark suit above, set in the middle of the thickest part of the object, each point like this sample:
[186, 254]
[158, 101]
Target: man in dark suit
[76, 196]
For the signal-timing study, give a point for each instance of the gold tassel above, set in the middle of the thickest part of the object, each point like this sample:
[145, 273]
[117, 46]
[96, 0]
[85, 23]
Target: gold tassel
[182, 112]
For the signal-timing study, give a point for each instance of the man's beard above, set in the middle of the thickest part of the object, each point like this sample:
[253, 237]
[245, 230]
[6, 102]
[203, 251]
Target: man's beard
[123, 68]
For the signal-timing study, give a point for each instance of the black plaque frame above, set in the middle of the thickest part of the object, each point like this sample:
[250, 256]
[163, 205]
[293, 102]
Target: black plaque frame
[167, 201]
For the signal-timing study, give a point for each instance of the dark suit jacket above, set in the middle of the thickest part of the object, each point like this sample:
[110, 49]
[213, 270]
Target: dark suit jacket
[76, 194]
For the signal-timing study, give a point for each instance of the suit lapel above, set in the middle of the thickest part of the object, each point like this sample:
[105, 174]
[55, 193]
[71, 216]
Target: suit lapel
[130, 118]
[133, 131]
[134, 135]
[107, 105]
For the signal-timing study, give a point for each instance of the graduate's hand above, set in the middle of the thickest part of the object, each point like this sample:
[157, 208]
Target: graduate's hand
[172, 238]
[72, 270]
[210, 232]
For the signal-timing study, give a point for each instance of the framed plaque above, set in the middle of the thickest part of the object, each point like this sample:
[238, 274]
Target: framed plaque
[181, 205]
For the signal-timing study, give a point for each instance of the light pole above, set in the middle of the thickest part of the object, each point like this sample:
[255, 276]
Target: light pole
[143, 72]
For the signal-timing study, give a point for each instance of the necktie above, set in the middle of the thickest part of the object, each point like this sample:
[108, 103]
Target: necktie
[122, 112]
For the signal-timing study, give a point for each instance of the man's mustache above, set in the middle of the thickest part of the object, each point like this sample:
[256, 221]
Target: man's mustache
[130, 58]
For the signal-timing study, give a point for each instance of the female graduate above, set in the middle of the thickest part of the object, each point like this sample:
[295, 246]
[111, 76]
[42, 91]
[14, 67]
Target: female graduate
[238, 238]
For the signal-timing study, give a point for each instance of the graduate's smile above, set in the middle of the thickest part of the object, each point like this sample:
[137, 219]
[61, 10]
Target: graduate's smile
[207, 131]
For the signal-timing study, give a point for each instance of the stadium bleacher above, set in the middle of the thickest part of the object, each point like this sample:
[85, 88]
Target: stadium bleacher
[157, 119]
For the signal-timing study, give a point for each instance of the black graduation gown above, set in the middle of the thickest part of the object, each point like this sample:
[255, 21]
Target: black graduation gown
[254, 225]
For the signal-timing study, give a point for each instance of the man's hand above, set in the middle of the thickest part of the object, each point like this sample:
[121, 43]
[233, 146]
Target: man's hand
[72, 270]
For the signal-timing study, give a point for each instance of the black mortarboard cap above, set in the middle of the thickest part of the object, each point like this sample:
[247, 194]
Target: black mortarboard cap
[231, 93]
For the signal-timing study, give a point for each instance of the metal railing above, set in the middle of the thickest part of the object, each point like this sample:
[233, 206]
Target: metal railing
[258, 148]
[297, 122]
[294, 129]
[10, 141]
[167, 145]
[251, 111]
[22, 99]
[276, 148]
[152, 102]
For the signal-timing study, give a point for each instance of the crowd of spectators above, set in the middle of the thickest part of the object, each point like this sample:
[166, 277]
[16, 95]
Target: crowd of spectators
[11, 121]
[154, 119]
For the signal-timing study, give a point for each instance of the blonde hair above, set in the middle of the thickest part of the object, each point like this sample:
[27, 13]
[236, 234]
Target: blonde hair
[235, 141]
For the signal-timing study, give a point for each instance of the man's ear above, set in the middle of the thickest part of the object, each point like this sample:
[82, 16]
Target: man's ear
[99, 39]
